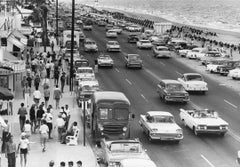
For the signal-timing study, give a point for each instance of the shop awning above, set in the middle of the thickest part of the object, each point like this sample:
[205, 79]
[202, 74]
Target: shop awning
[17, 34]
[8, 56]
[16, 42]
[5, 94]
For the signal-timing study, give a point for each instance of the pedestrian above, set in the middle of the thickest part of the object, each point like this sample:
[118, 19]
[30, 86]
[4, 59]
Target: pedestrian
[37, 96]
[60, 126]
[67, 111]
[5, 136]
[37, 81]
[43, 134]
[46, 93]
[96, 66]
[40, 113]
[52, 46]
[11, 150]
[32, 116]
[62, 164]
[57, 94]
[22, 112]
[70, 163]
[63, 80]
[27, 94]
[51, 163]
[23, 149]
[29, 80]
[48, 69]
[49, 121]
[56, 75]
[27, 129]
[23, 84]
[231, 52]
[79, 163]
[45, 83]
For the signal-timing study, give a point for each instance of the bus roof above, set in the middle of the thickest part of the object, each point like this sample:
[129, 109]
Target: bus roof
[110, 95]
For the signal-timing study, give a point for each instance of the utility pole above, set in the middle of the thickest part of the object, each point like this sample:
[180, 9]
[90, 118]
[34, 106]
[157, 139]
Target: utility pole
[72, 46]
[57, 21]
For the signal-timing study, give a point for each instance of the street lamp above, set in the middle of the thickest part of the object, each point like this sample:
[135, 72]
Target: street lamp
[57, 21]
[72, 47]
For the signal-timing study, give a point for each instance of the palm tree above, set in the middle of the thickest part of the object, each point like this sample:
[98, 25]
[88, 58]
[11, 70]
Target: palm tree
[39, 15]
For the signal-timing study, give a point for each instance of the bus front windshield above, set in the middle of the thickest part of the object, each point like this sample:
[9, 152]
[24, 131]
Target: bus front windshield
[117, 113]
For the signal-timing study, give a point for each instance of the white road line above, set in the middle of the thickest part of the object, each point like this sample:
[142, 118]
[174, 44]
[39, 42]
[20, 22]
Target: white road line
[117, 70]
[222, 84]
[129, 82]
[209, 163]
[162, 63]
[144, 97]
[230, 104]
[152, 74]
[178, 72]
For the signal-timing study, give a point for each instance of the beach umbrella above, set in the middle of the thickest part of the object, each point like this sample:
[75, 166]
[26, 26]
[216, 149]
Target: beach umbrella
[5, 94]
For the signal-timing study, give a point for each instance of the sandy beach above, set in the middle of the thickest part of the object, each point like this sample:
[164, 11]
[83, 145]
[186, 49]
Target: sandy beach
[224, 36]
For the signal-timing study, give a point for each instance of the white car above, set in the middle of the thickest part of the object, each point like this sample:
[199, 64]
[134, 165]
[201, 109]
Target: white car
[117, 29]
[196, 53]
[204, 121]
[183, 52]
[113, 46]
[193, 82]
[161, 51]
[111, 34]
[133, 28]
[235, 73]
[90, 45]
[84, 72]
[214, 65]
[67, 54]
[146, 44]
[160, 125]
[105, 61]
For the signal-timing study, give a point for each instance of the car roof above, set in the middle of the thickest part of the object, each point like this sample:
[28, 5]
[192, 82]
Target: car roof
[167, 81]
[112, 41]
[133, 54]
[144, 40]
[185, 74]
[112, 95]
[85, 68]
[140, 162]
[165, 113]
[162, 47]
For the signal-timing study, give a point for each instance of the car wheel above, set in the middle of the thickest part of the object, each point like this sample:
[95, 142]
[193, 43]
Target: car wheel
[203, 92]
[195, 131]
[222, 134]
[164, 99]
[177, 141]
[234, 78]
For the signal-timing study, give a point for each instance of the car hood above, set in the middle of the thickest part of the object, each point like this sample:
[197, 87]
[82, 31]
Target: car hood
[196, 83]
[117, 157]
[210, 121]
[164, 127]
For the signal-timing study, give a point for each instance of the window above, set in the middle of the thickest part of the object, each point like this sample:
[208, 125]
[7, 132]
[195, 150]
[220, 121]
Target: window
[4, 81]
[121, 113]
[105, 113]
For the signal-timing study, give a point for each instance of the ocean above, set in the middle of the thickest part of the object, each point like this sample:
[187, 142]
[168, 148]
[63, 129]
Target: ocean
[216, 14]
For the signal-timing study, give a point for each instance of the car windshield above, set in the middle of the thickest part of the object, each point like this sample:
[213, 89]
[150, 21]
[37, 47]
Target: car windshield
[143, 41]
[213, 54]
[194, 78]
[90, 43]
[162, 119]
[195, 50]
[174, 87]
[205, 114]
[113, 43]
[81, 63]
[79, 70]
[125, 147]
[162, 49]
[134, 57]
[104, 57]
[89, 88]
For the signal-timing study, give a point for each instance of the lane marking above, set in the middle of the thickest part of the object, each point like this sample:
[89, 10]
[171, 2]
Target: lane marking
[178, 72]
[128, 81]
[144, 97]
[230, 104]
[209, 163]
[162, 63]
[153, 75]
[222, 84]
[117, 70]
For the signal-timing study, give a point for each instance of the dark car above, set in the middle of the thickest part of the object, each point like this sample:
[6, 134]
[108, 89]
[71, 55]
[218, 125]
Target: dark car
[132, 38]
[172, 91]
[229, 65]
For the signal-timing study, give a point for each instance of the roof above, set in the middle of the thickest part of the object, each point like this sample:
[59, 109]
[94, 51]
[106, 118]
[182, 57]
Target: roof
[151, 113]
[191, 74]
[110, 95]
[139, 162]
[85, 68]
[167, 81]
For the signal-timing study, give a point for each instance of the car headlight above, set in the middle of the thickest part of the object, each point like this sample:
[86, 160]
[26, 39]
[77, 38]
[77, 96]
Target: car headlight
[186, 94]
[154, 130]
[202, 127]
[179, 130]
[100, 127]
[124, 129]
[168, 94]
[112, 164]
[223, 127]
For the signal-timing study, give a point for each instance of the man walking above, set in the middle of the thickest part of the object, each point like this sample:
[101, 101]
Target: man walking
[44, 134]
[22, 112]
[57, 94]
[63, 79]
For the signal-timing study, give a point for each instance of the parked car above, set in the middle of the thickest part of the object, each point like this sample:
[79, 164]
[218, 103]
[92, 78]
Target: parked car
[196, 52]
[133, 28]
[193, 82]
[111, 34]
[235, 73]
[113, 46]
[114, 151]
[210, 55]
[177, 44]
[105, 61]
[144, 44]
[117, 29]
[84, 72]
[82, 62]
[172, 90]
[183, 52]
[67, 54]
[161, 51]
[101, 23]
[229, 65]
[108, 27]
[204, 121]
[81, 36]
[133, 60]
[214, 65]
[87, 27]
[160, 125]
[90, 45]
[133, 38]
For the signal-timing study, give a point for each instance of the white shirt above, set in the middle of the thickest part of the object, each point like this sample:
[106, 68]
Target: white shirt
[24, 143]
[48, 117]
[60, 122]
[27, 128]
[67, 111]
[37, 94]
[44, 129]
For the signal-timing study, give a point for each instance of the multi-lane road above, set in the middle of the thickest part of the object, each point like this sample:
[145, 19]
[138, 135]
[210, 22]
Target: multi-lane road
[140, 87]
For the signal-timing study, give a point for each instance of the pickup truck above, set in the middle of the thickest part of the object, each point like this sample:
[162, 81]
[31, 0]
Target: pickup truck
[133, 60]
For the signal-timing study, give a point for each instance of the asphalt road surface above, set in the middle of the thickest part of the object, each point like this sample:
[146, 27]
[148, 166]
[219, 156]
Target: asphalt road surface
[140, 87]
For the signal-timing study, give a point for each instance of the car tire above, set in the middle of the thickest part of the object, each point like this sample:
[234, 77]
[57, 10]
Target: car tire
[164, 99]
[177, 141]
[203, 92]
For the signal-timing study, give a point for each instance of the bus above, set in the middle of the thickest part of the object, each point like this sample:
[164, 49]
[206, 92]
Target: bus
[66, 40]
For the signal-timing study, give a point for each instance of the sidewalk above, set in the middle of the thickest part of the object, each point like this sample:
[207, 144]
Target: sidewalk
[55, 151]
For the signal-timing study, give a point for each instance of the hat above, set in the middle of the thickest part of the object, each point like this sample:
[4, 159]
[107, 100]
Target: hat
[23, 134]
[51, 163]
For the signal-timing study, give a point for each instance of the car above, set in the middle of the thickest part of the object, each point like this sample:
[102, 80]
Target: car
[133, 38]
[133, 60]
[161, 51]
[183, 52]
[193, 82]
[105, 61]
[133, 162]
[229, 65]
[214, 65]
[82, 62]
[84, 72]
[101, 23]
[160, 125]
[108, 27]
[196, 52]
[67, 54]
[133, 28]
[111, 34]
[90, 45]
[82, 36]
[157, 40]
[144, 44]
[117, 29]
[113, 46]
[235, 73]
[176, 44]
[87, 27]
[114, 151]
[203, 121]
[209, 56]
[172, 91]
